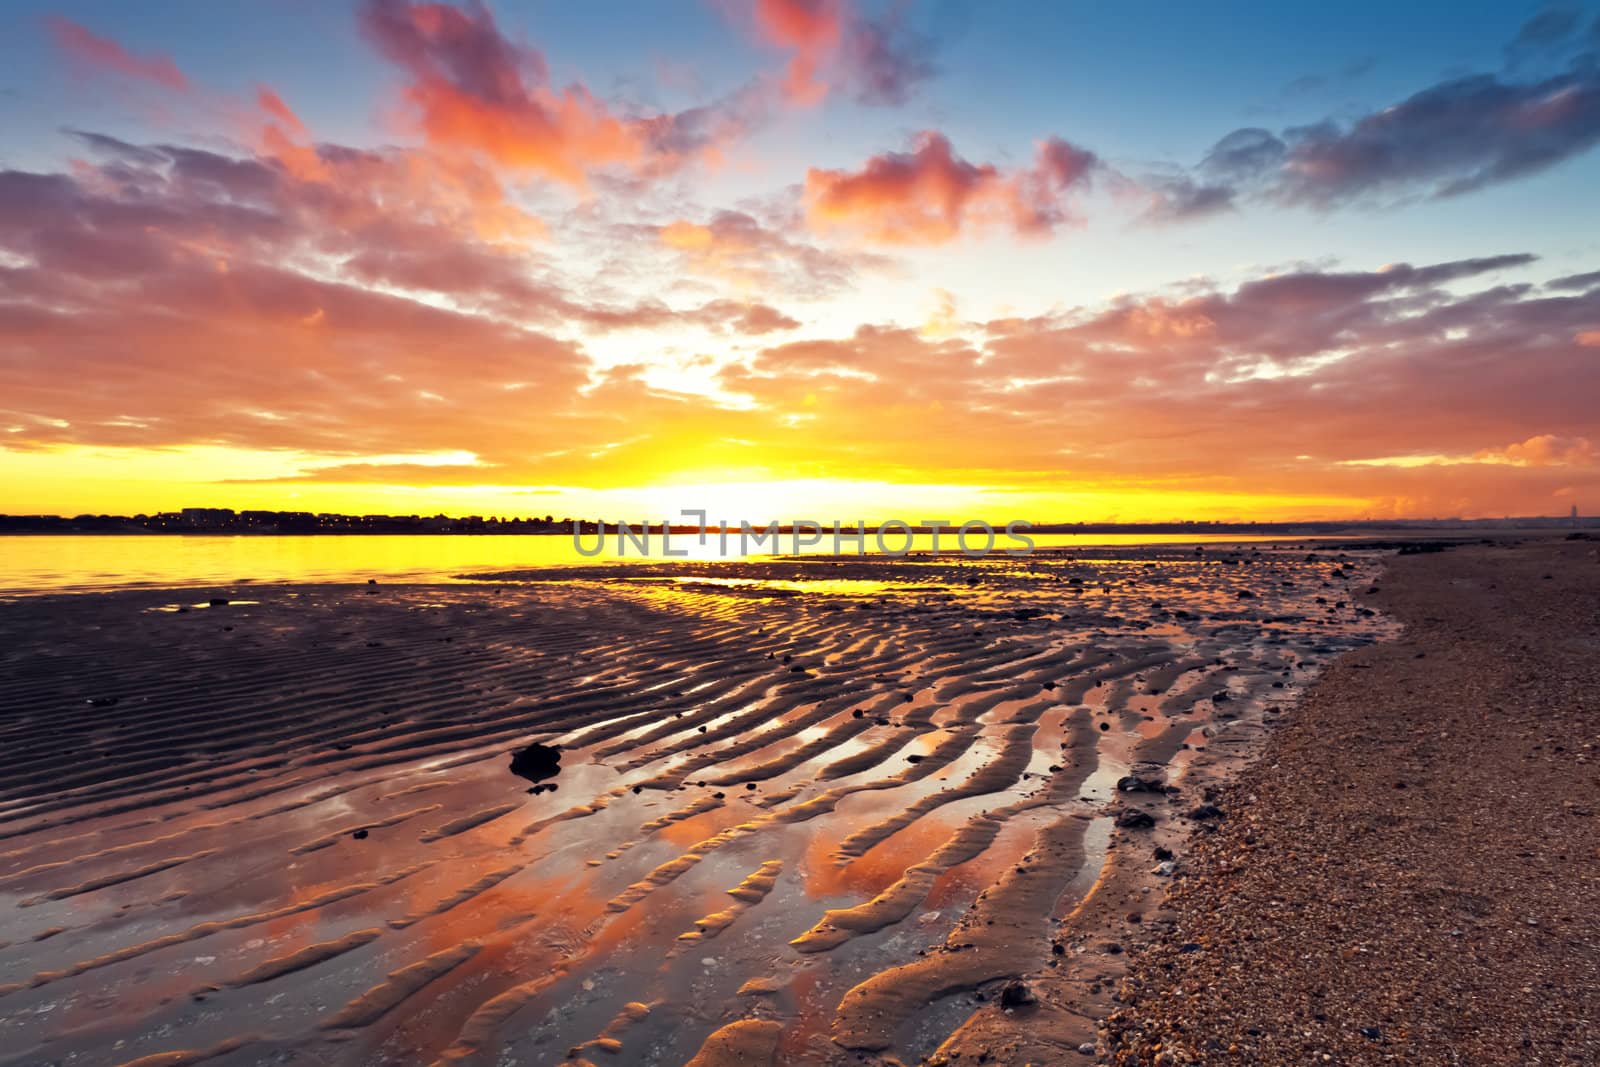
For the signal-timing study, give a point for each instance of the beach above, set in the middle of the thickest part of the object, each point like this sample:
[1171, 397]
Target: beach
[1410, 873]
[802, 811]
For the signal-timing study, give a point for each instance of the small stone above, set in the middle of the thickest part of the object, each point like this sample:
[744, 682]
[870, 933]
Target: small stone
[1134, 819]
[1016, 995]
[536, 762]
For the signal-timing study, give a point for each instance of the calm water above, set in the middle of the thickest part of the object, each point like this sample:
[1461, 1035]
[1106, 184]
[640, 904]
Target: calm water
[66, 563]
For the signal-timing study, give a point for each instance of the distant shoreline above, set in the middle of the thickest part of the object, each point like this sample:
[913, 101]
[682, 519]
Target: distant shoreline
[11, 526]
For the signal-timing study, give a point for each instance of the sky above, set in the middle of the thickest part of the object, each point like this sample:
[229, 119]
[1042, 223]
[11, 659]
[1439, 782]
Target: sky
[801, 259]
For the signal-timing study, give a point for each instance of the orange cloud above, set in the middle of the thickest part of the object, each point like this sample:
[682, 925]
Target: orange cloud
[1546, 450]
[930, 195]
[286, 139]
[472, 90]
[737, 248]
[273, 105]
[103, 53]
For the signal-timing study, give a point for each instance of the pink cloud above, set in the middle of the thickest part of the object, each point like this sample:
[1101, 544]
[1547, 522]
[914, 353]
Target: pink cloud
[103, 53]
[812, 29]
[832, 46]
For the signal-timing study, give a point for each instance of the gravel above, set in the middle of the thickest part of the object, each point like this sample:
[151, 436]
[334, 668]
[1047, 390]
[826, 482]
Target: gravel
[1411, 871]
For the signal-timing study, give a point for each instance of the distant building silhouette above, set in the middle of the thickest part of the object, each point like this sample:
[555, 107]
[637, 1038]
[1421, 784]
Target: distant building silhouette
[209, 517]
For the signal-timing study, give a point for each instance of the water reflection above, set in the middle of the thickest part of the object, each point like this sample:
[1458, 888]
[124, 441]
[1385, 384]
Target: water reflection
[37, 563]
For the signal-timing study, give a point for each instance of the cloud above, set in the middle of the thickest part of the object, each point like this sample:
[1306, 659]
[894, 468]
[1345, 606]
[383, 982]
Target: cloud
[737, 248]
[236, 301]
[1179, 198]
[103, 53]
[1453, 138]
[811, 30]
[1549, 30]
[887, 61]
[750, 319]
[930, 195]
[1547, 450]
[1586, 280]
[229, 302]
[1288, 384]
[881, 62]
[471, 89]
[1541, 450]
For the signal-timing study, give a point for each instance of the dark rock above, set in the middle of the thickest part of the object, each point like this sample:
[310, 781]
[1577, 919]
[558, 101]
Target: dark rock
[360, 835]
[1372, 1033]
[218, 602]
[1206, 811]
[536, 762]
[914, 758]
[1132, 783]
[1134, 819]
[1162, 853]
[1016, 995]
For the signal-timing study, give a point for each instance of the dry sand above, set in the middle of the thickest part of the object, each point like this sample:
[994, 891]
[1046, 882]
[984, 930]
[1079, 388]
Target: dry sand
[806, 812]
[1411, 873]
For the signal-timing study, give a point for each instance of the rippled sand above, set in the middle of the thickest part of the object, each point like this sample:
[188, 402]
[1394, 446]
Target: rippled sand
[807, 810]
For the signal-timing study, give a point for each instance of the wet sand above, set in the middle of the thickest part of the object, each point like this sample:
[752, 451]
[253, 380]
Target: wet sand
[1411, 872]
[806, 811]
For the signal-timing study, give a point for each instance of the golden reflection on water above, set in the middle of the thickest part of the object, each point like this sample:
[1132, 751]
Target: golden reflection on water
[42, 563]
